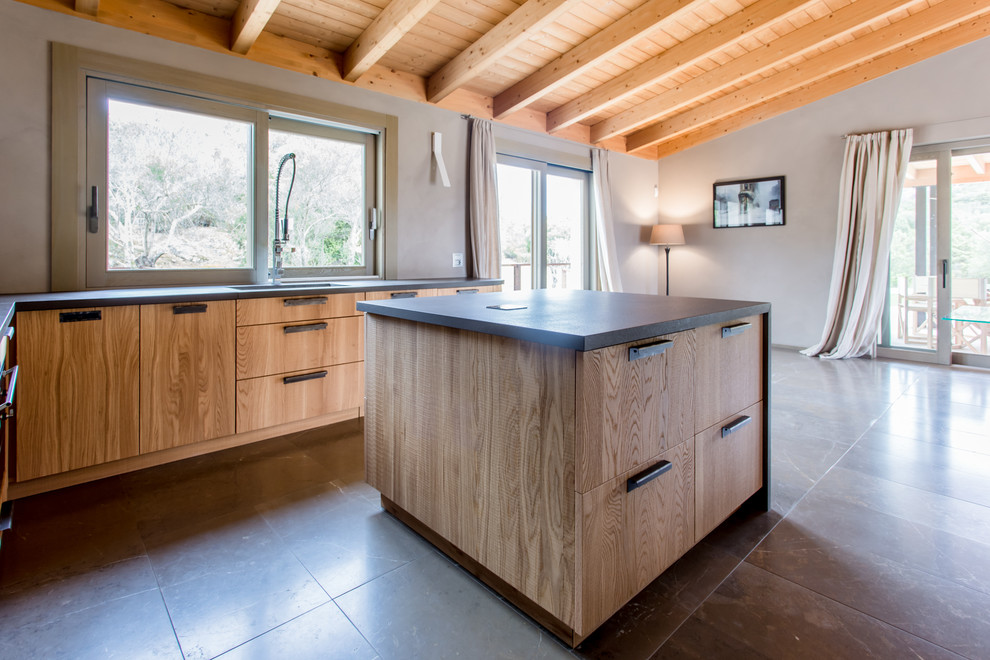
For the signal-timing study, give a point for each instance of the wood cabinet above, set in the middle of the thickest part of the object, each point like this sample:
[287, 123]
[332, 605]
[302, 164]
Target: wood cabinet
[77, 388]
[405, 293]
[187, 373]
[465, 290]
[302, 307]
[729, 375]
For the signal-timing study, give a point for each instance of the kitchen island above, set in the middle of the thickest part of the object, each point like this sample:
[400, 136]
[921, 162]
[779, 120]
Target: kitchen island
[567, 446]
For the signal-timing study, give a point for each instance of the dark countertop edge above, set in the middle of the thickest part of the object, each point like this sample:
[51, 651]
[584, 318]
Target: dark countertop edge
[156, 295]
[566, 340]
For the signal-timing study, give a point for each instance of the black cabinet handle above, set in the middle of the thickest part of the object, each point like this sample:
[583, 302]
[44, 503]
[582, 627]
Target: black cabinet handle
[647, 475]
[731, 330]
[299, 302]
[75, 317]
[640, 352]
[736, 424]
[289, 329]
[8, 391]
[288, 380]
[461, 292]
[189, 309]
[405, 294]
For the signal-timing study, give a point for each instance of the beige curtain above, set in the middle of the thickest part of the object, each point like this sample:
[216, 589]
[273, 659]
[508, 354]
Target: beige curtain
[483, 201]
[608, 263]
[873, 173]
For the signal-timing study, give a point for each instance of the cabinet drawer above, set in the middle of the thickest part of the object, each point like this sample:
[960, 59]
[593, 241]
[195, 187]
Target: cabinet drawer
[303, 307]
[730, 466]
[272, 400]
[467, 290]
[629, 537]
[406, 293]
[264, 350]
[632, 406]
[730, 368]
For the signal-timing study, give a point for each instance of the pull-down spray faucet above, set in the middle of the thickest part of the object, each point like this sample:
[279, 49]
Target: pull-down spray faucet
[281, 228]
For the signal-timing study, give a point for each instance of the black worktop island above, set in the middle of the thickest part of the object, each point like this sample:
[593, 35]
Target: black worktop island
[567, 446]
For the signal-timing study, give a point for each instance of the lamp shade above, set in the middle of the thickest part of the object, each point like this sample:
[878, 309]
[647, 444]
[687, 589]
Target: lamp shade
[667, 235]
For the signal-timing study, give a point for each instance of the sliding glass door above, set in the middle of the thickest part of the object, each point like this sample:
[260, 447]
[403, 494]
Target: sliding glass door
[937, 305]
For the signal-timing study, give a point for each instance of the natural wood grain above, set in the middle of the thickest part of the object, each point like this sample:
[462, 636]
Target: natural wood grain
[187, 375]
[269, 401]
[468, 290]
[388, 295]
[729, 469]
[729, 372]
[628, 538]
[630, 411]
[384, 32]
[248, 22]
[470, 433]
[255, 311]
[265, 350]
[77, 392]
[91, 7]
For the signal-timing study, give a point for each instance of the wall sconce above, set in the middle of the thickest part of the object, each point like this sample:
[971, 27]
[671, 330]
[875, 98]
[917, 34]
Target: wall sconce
[667, 235]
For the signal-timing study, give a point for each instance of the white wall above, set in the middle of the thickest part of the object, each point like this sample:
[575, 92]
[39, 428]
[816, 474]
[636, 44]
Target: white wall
[943, 98]
[431, 222]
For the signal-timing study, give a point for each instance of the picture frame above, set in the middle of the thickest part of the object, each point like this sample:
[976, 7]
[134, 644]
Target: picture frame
[748, 203]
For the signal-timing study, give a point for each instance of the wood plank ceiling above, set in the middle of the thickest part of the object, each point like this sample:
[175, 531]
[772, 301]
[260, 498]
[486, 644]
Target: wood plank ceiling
[649, 77]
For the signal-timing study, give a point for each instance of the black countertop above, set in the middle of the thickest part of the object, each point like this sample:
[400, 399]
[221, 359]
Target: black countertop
[581, 320]
[146, 296]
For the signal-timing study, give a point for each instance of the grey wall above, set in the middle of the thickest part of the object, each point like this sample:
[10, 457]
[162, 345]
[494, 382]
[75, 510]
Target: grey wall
[943, 98]
[431, 222]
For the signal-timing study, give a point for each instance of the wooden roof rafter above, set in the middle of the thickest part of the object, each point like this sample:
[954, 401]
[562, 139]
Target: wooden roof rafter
[383, 33]
[248, 22]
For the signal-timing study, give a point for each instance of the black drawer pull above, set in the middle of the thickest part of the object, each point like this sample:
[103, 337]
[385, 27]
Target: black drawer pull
[288, 380]
[640, 352]
[730, 330]
[190, 309]
[736, 424]
[289, 329]
[461, 292]
[75, 317]
[647, 475]
[299, 302]
[7, 392]
[405, 294]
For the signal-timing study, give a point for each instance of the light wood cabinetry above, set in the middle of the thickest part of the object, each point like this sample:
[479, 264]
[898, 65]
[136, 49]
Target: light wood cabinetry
[273, 400]
[77, 389]
[302, 307]
[275, 348]
[466, 290]
[729, 374]
[187, 373]
[405, 293]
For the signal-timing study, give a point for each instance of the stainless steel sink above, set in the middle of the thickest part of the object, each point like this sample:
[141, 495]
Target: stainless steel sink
[268, 286]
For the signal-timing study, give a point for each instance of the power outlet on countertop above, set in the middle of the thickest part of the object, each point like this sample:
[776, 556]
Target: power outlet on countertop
[458, 259]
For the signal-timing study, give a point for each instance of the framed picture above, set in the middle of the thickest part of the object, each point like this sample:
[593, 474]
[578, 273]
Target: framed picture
[749, 202]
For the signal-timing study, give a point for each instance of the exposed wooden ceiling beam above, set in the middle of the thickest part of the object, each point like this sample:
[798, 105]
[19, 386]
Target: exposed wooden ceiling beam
[249, 20]
[969, 31]
[798, 42]
[90, 7]
[518, 26]
[722, 34]
[635, 25]
[855, 55]
[384, 32]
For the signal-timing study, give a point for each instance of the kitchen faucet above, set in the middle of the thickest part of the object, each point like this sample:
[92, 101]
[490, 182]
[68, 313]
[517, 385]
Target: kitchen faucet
[281, 228]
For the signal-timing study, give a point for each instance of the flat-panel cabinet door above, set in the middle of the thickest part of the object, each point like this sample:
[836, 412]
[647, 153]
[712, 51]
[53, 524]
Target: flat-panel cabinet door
[729, 369]
[187, 373]
[77, 396]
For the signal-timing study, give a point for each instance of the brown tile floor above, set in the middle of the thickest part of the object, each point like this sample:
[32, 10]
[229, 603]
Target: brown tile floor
[878, 544]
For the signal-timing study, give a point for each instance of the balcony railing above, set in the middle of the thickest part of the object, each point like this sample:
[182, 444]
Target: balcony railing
[521, 277]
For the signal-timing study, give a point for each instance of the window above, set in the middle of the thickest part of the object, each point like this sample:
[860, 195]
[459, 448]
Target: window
[544, 225]
[179, 181]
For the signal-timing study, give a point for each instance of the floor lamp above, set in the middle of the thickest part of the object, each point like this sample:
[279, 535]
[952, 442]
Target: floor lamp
[667, 235]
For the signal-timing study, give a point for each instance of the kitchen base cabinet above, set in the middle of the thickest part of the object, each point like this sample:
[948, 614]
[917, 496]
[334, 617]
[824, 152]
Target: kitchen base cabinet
[78, 388]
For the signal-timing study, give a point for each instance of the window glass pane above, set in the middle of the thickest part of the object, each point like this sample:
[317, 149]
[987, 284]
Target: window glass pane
[327, 207]
[970, 256]
[565, 222]
[516, 201]
[179, 189]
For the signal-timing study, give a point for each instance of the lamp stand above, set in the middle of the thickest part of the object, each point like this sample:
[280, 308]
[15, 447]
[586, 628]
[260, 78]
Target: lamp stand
[666, 249]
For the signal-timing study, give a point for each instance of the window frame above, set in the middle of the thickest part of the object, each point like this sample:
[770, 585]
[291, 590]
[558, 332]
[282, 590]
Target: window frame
[72, 67]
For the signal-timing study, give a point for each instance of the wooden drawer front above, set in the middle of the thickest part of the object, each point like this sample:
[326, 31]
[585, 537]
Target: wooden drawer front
[264, 350]
[304, 307]
[629, 537]
[467, 290]
[268, 401]
[77, 388]
[406, 293]
[632, 407]
[729, 370]
[730, 468]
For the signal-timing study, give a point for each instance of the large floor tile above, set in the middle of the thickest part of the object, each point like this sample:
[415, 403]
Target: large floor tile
[432, 609]
[911, 414]
[133, 627]
[320, 634]
[755, 614]
[341, 450]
